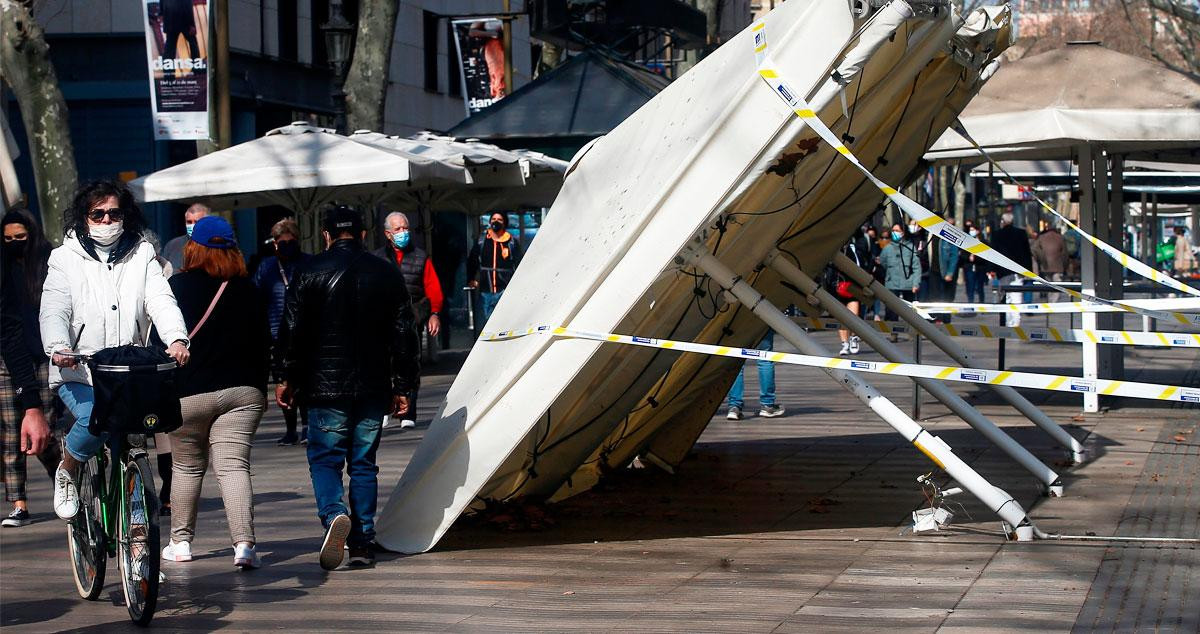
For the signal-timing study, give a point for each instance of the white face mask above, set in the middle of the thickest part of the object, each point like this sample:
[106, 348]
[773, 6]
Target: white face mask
[105, 235]
[973, 233]
[913, 228]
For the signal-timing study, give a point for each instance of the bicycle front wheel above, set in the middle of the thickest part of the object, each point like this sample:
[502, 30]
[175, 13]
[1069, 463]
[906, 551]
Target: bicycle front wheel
[138, 543]
[85, 535]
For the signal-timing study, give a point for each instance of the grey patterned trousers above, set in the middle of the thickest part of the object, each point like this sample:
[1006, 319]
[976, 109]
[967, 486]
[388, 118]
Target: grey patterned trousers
[219, 424]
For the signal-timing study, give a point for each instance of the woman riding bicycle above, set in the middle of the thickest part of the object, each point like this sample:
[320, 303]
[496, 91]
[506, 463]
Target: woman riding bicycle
[103, 289]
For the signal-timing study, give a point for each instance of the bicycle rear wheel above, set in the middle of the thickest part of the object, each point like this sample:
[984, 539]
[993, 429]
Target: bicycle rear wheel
[85, 535]
[138, 543]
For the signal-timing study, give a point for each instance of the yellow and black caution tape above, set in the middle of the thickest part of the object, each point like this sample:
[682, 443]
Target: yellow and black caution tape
[1052, 382]
[932, 222]
[1125, 260]
[1071, 335]
[1033, 308]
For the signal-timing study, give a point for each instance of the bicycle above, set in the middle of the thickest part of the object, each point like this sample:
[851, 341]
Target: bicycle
[118, 517]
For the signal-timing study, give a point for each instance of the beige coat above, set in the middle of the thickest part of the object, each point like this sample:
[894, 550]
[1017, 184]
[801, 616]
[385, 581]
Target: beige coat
[1185, 260]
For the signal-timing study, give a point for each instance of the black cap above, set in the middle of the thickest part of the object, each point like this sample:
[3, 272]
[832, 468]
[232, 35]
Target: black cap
[343, 219]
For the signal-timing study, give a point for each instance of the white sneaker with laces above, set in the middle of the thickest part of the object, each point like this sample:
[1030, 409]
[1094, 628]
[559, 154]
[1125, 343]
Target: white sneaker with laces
[855, 344]
[245, 557]
[845, 349]
[177, 551]
[66, 495]
[407, 423]
[735, 413]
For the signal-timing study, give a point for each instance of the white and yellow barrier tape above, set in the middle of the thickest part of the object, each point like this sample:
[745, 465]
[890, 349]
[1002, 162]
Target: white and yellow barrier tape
[932, 222]
[1052, 382]
[1032, 308]
[1125, 260]
[1065, 335]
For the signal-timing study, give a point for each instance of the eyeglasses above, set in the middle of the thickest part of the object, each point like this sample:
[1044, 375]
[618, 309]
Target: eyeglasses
[97, 215]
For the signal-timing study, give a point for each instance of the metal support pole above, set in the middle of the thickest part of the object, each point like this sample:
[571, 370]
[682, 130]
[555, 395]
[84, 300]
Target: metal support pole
[959, 354]
[890, 351]
[916, 408]
[1087, 270]
[935, 448]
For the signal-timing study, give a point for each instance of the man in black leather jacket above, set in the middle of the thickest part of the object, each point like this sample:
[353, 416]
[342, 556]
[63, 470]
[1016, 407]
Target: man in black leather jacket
[350, 357]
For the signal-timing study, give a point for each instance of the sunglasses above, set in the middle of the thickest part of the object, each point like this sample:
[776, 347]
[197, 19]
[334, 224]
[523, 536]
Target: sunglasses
[97, 215]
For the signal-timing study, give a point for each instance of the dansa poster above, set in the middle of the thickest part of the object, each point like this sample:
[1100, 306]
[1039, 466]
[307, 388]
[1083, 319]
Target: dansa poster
[177, 54]
[480, 46]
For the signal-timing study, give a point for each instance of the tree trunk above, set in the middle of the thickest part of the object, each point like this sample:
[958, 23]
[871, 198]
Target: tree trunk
[366, 83]
[25, 66]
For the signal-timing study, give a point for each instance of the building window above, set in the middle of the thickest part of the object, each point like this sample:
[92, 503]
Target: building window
[289, 25]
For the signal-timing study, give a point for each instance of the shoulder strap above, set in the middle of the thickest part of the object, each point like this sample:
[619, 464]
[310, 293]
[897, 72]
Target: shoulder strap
[207, 313]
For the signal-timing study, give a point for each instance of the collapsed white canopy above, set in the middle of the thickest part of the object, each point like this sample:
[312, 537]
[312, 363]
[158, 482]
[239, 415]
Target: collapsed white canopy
[1045, 105]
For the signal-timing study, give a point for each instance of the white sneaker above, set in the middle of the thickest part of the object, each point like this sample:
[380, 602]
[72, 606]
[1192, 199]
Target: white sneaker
[177, 551]
[387, 422]
[245, 557]
[66, 496]
[855, 343]
[845, 349]
[407, 423]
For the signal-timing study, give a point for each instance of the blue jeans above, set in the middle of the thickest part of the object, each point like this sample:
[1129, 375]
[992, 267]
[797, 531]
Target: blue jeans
[975, 281]
[79, 399]
[349, 437]
[766, 378]
[489, 301]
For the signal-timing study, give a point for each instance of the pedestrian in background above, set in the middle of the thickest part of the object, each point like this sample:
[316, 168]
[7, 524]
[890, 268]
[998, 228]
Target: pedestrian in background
[1050, 252]
[274, 274]
[901, 264]
[351, 358]
[767, 407]
[421, 281]
[173, 250]
[1012, 242]
[975, 268]
[25, 398]
[222, 389]
[1185, 260]
[492, 262]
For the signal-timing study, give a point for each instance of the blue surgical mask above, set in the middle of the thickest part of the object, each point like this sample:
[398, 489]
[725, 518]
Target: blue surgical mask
[896, 235]
[189, 228]
[400, 239]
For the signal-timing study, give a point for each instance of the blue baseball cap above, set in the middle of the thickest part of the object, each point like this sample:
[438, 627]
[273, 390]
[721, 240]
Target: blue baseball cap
[214, 232]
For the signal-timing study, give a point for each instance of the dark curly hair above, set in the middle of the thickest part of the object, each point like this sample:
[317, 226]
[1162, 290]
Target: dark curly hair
[93, 192]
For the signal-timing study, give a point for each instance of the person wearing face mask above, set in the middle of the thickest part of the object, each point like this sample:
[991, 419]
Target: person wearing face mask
[421, 281]
[901, 264]
[275, 273]
[492, 262]
[923, 243]
[975, 268]
[103, 288]
[1013, 242]
[173, 251]
[25, 397]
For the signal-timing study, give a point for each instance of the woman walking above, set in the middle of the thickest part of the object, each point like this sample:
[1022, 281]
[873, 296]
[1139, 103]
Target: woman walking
[901, 263]
[272, 278]
[24, 383]
[223, 388]
[103, 288]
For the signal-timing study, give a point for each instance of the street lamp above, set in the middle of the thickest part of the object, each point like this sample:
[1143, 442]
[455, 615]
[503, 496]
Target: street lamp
[339, 38]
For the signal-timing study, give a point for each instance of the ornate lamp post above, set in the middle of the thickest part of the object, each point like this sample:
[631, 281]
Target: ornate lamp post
[339, 38]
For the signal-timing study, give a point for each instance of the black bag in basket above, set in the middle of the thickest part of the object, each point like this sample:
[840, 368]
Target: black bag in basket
[139, 400]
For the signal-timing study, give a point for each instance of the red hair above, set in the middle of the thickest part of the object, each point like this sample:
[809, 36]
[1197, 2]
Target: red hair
[222, 264]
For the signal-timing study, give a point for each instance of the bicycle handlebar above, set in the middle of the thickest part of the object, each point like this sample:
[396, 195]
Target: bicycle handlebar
[85, 358]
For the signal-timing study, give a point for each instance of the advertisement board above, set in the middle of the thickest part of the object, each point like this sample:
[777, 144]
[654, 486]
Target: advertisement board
[177, 52]
[479, 43]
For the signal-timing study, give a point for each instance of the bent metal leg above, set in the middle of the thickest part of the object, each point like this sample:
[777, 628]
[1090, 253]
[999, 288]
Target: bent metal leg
[956, 352]
[939, 390]
[937, 450]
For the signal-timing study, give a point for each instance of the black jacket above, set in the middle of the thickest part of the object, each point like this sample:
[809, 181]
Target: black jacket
[347, 332]
[232, 348]
[493, 263]
[1014, 243]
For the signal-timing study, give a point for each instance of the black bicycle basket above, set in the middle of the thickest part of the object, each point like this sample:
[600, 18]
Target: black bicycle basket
[136, 391]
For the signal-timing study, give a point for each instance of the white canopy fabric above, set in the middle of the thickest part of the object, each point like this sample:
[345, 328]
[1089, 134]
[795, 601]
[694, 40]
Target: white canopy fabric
[299, 166]
[1045, 105]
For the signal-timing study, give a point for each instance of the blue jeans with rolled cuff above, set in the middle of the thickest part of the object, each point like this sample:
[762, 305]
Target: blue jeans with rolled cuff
[766, 378]
[346, 437]
[79, 399]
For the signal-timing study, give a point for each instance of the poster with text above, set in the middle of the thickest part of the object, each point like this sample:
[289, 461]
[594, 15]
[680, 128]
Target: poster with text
[177, 53]
[480, 46]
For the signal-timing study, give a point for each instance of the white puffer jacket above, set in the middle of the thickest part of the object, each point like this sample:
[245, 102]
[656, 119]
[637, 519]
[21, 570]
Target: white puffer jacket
[113, 304]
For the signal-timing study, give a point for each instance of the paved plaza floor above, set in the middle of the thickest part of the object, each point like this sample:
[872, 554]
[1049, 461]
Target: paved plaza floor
[794, 524]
